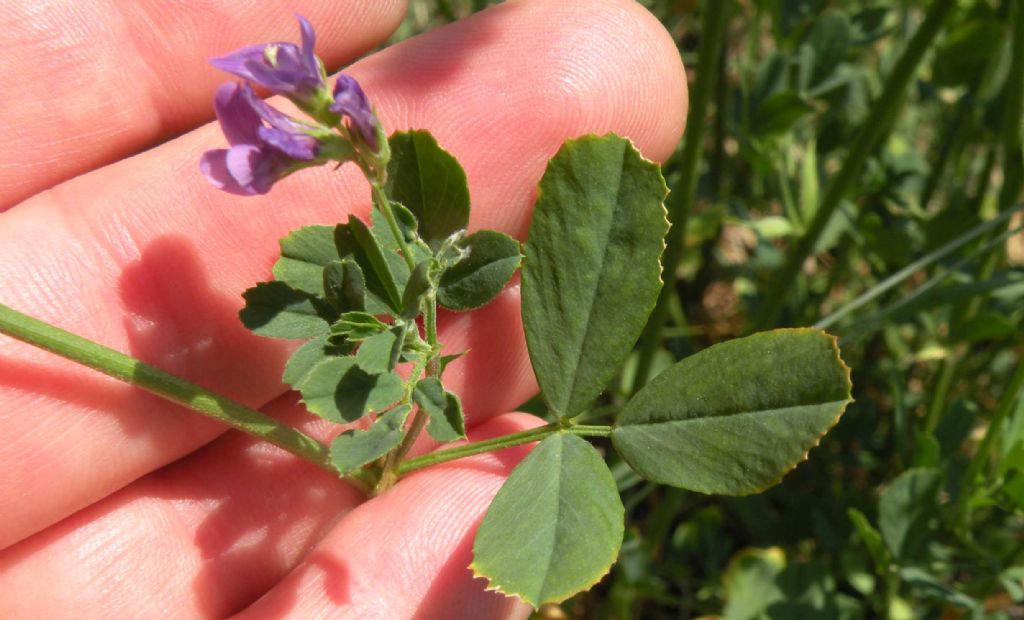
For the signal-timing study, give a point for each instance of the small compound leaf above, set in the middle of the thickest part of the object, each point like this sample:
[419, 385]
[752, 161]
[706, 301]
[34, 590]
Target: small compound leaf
[428, 181]
[304, 253]
[419, 284]
[447, 422]
[355, 448]
[339, 390]
[344, 286]
[491, 260]
[308, 356]
[277, 310]
[905, 509]
[379, 353]
[592, 272]
[356, 326]
[736, 417]
[556, 525]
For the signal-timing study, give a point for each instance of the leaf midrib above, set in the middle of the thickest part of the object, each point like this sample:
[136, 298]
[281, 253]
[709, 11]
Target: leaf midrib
[759, 412]
[593, 295]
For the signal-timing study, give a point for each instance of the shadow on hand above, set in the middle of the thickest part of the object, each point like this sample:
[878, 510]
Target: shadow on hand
[269, 509]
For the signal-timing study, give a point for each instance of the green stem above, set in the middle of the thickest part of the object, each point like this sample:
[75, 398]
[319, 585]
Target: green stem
[167, 386]
[683, 196]
[917, 265]
[421, 417]
[1003, 409]
[499, 443]
[1012, 161]
[384, 204]
[872, 132]
[943, 386]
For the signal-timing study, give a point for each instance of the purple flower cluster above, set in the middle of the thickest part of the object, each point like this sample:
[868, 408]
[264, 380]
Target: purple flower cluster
[260, 154]
[265, 144]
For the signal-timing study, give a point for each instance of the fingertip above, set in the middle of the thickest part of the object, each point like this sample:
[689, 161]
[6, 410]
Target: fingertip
[504, 88]
[406, 553]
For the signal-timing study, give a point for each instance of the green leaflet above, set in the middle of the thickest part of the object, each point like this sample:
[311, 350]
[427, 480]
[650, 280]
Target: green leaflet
[430, 183]
[304, 254]
[905, 509]
[344, 286]
[277, 310]
[355, 240]
[379, 353]
[734, 418]
[355, 448]
[355, 326]
[591, 273]
[872, 540]
[491, 260]
[416, 289]
[339, 390]
[556, 525]
[447, 422]
[309, 355]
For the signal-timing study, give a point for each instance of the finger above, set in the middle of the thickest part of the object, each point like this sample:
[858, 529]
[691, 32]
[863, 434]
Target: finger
[406, 553]
[155, 267]
[493, 377]
[205, 536]
[89, 82]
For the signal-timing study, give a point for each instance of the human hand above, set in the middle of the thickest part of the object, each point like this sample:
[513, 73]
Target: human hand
[144, 256]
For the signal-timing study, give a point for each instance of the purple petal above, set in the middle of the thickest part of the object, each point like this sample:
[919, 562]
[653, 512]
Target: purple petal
[267, 112]
[242, 162]
[244, 170]
[278, 82]
[351, 101]
[294, 72]
[238, 120]
[290, 144]
[238, 62]
[255, 169]
[213, 165]
[308, 43]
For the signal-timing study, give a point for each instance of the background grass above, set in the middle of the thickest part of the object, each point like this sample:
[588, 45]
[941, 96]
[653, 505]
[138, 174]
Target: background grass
[855, 165]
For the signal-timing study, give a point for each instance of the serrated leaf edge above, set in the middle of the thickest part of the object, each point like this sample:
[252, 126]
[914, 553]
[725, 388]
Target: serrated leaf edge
[841, 404]
[478, 572]
[664, 214]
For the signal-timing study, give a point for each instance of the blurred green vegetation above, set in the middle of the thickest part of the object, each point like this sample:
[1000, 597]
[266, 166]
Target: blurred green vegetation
[857, 166]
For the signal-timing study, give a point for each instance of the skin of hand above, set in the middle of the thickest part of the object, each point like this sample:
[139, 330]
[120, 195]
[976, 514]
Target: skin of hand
[114, 503]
